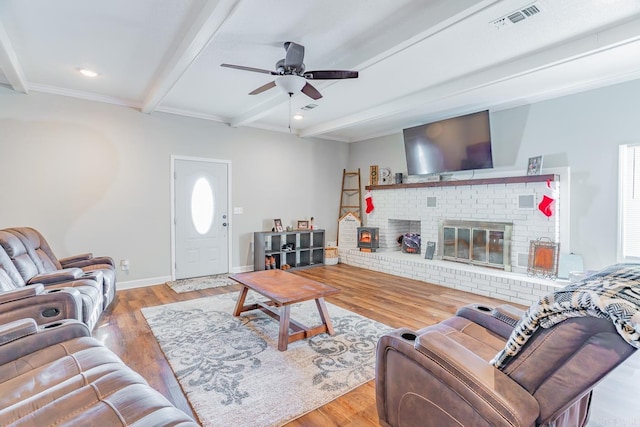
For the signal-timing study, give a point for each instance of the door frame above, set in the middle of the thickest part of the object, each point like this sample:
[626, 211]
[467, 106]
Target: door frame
[173, 208]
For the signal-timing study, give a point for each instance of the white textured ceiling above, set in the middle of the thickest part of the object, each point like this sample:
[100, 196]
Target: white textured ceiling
[419, 60]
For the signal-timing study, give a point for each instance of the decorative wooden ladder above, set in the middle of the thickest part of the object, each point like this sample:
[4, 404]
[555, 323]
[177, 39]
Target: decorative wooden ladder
[350, 190]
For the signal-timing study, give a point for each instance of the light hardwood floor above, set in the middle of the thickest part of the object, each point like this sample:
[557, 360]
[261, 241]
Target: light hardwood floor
[392, 300]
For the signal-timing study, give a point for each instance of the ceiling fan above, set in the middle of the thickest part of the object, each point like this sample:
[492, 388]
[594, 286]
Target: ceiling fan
[291, 73]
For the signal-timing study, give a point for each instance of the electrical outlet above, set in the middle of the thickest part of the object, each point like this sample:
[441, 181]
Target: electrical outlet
[124, 265]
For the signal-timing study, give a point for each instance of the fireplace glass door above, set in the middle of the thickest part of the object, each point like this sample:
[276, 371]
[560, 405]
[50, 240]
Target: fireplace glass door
[477, 242]
[480, 245]
[496, 247]
[449, 243]
[457, 242]
[464, 243]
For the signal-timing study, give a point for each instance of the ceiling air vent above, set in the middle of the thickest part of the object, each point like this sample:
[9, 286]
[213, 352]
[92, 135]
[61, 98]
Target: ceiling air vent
[516, 16]
[309, 107]
[531, 10]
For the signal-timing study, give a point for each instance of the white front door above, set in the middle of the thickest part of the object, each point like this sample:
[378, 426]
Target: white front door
[201, 219]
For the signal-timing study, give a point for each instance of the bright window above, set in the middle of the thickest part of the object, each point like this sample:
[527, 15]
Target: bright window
[629, 201]
[202, 206]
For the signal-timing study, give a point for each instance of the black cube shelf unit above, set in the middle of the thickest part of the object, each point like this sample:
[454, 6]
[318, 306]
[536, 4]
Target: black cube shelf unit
[308, 248]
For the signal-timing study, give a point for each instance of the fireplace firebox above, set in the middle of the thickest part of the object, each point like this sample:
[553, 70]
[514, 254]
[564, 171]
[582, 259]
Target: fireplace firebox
[477, 242]
[368, 239]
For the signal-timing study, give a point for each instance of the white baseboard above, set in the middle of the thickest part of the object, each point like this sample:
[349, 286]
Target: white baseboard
[130, 284]
[142, 282]
[242, 269]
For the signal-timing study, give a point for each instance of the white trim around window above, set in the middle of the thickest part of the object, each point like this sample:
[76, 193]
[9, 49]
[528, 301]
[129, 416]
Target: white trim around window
[629, 203]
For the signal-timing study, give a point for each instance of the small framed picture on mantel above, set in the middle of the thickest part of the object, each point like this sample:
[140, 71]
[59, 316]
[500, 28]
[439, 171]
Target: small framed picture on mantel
[535, 165]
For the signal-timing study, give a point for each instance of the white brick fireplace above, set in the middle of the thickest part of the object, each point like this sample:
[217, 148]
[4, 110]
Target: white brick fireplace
[422, 208]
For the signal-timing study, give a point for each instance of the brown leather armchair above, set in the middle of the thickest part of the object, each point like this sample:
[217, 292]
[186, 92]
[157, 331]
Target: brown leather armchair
[441, 376]
[42, 258]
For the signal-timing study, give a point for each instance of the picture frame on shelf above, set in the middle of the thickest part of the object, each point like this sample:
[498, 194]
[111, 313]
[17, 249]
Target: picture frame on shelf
[277, 225]
[385, 177]
[534, 166]
[303, 224]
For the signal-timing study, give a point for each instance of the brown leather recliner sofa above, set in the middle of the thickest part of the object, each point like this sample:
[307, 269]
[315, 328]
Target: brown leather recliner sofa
[444, 375]
[56, 374]
[33, 257]
[70, 293]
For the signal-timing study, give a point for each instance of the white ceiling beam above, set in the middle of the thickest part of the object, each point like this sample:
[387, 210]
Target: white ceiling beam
[204, 28]
[260, 111]
[574, 50]
[442, 16]
[10, 65]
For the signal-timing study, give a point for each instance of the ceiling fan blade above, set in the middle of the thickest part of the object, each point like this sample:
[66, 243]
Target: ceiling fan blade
[255, 70]
[330, 74]
[263, 88]
[295, 55]
[311, 91]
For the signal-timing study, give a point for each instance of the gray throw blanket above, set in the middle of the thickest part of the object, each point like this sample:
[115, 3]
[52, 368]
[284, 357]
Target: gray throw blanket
[613, 293]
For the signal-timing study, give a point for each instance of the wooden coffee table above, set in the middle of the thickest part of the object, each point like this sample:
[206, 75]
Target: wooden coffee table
[283, 289]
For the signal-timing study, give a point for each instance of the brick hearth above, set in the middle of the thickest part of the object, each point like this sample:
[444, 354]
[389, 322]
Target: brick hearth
[421, 208]
[513, 287]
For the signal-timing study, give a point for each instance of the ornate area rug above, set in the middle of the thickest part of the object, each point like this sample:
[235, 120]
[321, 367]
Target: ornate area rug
[233, 374]
[198, 283]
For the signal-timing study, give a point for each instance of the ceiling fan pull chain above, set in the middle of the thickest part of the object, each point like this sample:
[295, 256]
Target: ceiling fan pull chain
[290, 95]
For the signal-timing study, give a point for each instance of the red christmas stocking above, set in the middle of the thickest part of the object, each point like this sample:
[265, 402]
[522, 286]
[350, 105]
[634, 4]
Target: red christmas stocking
[545, 205]
[547, 201]
[368, 198]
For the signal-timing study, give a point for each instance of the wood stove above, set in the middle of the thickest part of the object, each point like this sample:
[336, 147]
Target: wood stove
[368, 238]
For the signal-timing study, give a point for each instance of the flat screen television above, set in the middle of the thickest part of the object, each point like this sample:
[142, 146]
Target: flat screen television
[455, 144]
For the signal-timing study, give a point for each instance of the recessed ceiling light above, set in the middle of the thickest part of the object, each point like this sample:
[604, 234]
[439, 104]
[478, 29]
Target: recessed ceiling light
[298, 117]
[87, 72]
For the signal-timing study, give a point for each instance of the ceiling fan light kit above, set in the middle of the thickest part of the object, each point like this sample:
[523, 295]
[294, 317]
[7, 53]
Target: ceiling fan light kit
[290, 83]
[292, 76]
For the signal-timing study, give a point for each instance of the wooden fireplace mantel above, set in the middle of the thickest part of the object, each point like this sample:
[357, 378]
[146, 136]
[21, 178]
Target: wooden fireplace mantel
[460, 182]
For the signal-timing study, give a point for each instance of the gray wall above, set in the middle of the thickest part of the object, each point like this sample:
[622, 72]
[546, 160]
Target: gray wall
[581, 131]
[96, 177]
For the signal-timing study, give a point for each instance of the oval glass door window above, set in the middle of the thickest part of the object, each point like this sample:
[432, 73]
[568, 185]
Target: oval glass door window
[202, 206]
